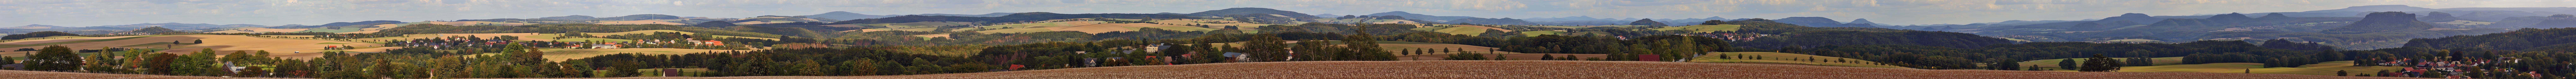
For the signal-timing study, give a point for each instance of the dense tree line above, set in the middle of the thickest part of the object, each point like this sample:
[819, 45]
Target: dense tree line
[1018, 17]
[36, 34]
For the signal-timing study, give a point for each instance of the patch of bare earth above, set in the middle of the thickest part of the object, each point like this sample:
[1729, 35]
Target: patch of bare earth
[1537, 70]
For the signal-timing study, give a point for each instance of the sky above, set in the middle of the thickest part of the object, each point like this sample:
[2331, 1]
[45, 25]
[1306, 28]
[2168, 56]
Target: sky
[81, 13]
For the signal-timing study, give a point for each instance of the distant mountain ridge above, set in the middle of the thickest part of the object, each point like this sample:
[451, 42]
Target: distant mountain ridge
[996, 14]
[2383, 22]
[35, 26]
[844, 15]
[1007, 18]
[1246, 11]
[1419, 16]
[2372, 8]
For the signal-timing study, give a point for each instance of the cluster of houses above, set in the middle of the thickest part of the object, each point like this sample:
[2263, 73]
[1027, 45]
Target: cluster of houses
[1727, 36]
[614, 45]
[2456, 69]
[1153, 48]
[451, 43]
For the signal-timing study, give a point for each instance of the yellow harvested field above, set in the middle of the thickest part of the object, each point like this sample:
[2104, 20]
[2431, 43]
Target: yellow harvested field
[637, 22]
[1043, 25]
[943, 35]
[568, 54]
[1788, 58]
[522, 36]
[1195, 21]
[257, 30]
[368, 31]
[465, 23]
[1105, 28]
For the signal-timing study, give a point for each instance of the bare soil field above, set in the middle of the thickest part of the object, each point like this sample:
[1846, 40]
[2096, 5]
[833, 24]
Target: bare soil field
[1461, 70]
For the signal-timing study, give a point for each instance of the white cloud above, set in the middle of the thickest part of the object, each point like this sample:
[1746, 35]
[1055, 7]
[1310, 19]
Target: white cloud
[281, 12]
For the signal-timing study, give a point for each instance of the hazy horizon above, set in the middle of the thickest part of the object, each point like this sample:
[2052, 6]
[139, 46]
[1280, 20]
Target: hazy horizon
[82, 13]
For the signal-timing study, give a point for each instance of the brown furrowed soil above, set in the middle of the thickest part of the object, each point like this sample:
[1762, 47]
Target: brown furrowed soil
[1540, 70]
[1472, 70]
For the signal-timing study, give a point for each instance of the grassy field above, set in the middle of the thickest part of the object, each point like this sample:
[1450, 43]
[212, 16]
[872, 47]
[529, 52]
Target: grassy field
[1458, 29]
[2322, 68]
[1789, 58]
[1536, 33]
[920, 24]
[1015, 30]
[1043, 25]
[1704, 28]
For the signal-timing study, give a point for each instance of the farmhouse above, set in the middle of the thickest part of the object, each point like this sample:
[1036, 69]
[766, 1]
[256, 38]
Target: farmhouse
[604, 46]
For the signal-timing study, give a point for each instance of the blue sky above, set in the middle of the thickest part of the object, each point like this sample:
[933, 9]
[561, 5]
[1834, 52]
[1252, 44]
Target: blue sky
[78, 13]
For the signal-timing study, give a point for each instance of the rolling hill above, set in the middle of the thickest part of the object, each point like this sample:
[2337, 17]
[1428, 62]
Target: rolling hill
[1100, 28]
[1704, 28]
[1459, 29]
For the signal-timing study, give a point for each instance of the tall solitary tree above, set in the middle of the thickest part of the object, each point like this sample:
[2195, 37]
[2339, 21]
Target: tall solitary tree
[2067, 64]
[2100, 63]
